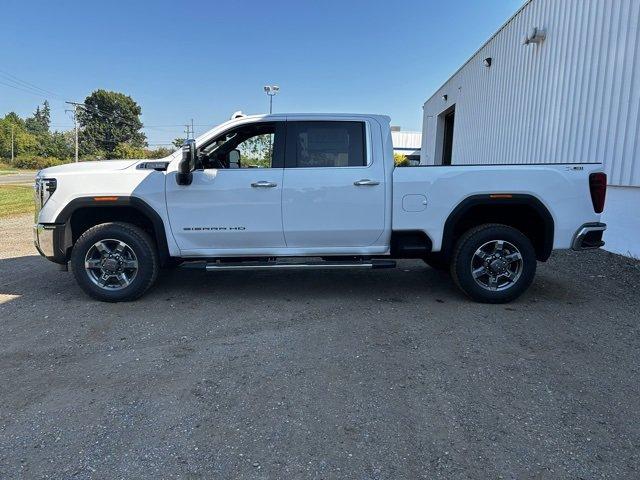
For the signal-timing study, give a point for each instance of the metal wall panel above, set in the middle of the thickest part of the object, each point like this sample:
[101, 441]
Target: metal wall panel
[406, 140]
[573, 98]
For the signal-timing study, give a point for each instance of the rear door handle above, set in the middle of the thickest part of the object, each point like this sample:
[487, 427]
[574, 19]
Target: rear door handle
[263, 184]
[365, 182]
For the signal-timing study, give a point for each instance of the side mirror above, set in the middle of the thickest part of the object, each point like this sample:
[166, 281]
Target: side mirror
[187, 162]
[234, 159]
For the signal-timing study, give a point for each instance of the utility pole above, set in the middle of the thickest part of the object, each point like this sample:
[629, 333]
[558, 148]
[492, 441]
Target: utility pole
[186, 131]
[75, 122]
[75, 126]
[12, 144]
[193, 133]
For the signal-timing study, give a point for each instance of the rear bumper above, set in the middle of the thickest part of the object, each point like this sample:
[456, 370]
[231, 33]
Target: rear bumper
[589, 236]
[48, 240]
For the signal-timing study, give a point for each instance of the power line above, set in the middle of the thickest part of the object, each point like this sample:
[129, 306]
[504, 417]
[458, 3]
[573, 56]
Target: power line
[102, 113]
[37, 94]
[33, 89]
[23, 83]
[12, 81]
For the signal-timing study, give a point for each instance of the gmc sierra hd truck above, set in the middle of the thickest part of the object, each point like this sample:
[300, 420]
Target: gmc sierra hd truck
[310, 191]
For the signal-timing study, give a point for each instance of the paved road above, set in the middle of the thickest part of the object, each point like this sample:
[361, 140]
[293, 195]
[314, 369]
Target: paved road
[17, 179]
[386, 374]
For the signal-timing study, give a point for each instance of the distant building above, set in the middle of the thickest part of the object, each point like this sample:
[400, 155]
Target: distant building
[407, 143]
[558, 83]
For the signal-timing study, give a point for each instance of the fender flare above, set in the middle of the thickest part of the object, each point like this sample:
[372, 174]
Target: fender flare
[63, 237]
[496, 200]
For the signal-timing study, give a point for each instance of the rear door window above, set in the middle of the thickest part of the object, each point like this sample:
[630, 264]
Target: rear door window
[327, 144]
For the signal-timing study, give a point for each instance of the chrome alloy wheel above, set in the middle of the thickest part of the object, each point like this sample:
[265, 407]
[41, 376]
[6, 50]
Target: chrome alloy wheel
[496, 265]
[111, 264]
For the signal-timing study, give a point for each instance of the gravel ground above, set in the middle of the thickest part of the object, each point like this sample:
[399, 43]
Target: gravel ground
[386, 374]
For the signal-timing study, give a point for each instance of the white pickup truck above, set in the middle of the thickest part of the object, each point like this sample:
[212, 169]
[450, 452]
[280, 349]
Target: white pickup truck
[310, 191]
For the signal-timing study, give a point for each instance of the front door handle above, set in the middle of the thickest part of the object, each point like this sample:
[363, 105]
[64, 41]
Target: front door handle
[365, 182]
[263, 184]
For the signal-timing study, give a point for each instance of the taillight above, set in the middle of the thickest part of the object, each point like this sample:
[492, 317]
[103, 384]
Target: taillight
[598, 189]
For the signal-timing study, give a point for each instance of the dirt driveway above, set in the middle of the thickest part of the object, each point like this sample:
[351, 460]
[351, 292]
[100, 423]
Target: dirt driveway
[340, 374]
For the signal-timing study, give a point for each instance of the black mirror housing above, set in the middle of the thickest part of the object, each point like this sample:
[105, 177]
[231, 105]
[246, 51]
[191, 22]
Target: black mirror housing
[187, 163]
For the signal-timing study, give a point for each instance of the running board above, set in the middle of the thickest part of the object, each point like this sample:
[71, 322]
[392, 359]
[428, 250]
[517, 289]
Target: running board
[211, 266]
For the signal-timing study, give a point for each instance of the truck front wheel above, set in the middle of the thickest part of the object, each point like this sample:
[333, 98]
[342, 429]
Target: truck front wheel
[114, 262]
[493, 263]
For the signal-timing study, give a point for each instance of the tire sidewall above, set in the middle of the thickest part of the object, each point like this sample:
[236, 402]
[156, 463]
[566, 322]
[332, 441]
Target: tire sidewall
[137, 240]
[461, 266]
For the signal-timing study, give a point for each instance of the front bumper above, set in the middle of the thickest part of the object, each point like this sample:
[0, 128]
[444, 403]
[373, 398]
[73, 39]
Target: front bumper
[589, 236]
[49, 240]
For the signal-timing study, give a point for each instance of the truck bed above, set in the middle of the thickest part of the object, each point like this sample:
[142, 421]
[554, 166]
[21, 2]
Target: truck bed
[425, 196]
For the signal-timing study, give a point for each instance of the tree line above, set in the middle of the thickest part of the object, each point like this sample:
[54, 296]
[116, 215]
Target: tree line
[109, 127]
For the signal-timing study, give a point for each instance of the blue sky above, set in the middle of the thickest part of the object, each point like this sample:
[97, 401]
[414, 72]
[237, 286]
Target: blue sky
[206, 59]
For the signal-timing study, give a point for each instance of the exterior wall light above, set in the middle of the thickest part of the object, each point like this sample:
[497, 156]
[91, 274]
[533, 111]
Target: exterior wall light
[487, 62]
[535, 35]
[444, 97]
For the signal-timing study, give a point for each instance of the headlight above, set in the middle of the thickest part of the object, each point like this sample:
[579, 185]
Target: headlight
[44, 188]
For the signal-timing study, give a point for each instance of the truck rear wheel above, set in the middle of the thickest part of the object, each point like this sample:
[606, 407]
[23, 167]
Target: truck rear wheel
[114, 262]
[493, 263]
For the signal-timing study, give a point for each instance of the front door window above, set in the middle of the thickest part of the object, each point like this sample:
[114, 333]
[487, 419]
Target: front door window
[249, 146]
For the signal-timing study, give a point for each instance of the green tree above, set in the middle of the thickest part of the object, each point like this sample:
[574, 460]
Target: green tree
[39, 123]
[126, 150]
[257, 151]
[108, 119]
[400, 160]
[58, 144]
[177, 142]
[160, 152]
[34, 145]
[24, 143]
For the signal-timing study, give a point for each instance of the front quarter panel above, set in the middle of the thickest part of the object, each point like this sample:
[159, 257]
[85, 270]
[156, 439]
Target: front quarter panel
[147, 185]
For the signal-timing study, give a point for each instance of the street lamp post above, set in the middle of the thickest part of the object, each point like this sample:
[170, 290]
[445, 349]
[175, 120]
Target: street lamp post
[271, 91]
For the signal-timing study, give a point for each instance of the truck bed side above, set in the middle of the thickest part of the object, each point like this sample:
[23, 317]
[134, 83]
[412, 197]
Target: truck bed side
[425, 197]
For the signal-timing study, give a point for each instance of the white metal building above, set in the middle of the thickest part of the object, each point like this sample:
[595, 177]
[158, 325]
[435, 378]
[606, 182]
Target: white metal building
[558, 83]
[407, 143]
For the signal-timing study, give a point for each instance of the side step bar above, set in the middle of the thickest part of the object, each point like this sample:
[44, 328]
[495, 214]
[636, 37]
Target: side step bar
[214, 266]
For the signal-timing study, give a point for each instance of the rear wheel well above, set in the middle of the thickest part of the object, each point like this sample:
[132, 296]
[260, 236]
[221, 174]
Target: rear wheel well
[526, 214]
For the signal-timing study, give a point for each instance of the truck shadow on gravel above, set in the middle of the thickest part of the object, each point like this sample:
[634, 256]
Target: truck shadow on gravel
[32, 279]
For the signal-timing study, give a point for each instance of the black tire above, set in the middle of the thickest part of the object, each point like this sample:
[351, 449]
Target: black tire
[437, 261]
[517, 276]
[139, 247]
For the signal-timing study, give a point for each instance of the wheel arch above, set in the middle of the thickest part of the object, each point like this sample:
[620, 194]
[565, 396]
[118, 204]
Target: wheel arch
[83, 213]
[522, 211]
